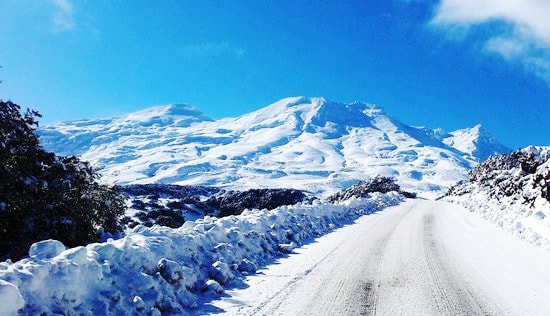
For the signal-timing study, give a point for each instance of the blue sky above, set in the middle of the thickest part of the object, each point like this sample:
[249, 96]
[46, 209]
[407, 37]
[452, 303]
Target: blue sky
[445, 63]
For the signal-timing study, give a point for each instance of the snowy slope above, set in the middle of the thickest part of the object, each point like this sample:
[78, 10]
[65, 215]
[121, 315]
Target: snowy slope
[475, 141]
[304, 143]
[512, 191]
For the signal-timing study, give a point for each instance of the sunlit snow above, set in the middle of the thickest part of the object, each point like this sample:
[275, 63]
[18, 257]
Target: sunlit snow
[304, 143]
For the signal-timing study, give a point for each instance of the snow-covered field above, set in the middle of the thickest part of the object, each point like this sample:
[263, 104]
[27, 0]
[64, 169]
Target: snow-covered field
[161, 270]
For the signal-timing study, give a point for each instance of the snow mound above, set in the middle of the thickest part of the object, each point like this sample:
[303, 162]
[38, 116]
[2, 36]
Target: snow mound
[46, 249]
[512, 191]
[163, 270]
[11, 300]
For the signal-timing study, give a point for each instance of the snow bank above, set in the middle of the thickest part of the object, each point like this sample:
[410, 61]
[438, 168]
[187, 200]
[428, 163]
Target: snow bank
[512, 192]
[529, 223]
[163, 270]
[10, 299]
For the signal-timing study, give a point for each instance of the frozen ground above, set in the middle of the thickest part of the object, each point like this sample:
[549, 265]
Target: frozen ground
[418, 258]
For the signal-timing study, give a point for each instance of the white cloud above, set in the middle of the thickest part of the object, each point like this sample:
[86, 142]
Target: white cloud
[63, 19]
[212, 49]
[517, 30]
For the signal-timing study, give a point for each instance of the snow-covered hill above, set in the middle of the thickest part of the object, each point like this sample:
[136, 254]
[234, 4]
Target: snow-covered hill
[475, 141]
[512, 191]
[304, 143]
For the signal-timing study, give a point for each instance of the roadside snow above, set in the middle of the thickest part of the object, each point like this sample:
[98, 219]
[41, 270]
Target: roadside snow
[512, 192]
[417, 258]
[10, 299]
[163, 270]
[529, 223]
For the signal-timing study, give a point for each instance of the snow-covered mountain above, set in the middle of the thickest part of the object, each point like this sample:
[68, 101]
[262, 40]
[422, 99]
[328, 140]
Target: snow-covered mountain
[475, 141]
[303, 143]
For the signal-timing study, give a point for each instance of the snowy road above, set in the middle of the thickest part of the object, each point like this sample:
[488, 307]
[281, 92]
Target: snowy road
[419, 258]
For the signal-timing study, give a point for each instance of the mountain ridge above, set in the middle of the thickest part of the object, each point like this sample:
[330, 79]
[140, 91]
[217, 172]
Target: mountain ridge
[312, 144]
[476, 141]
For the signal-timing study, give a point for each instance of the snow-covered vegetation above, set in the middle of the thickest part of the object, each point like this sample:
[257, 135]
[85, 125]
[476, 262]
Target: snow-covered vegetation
[159, 269]
[364, 188]
[45, 196]
[512, 191]
[170, 205]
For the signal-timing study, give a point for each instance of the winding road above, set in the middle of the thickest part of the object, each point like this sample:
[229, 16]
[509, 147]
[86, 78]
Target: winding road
[418, 258]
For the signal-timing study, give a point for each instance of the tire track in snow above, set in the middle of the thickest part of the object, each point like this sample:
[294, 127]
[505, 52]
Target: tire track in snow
[373, 286]
[442, 300]
[280, 297]
[452, 296]
[419, 258]
[344, 284]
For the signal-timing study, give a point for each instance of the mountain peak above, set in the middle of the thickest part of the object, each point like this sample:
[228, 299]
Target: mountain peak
[300, 100]
[314, 115]
[341, 114]
[478, 130]
[171, 114]
[316, 104]
[174, 109]
[475, 141]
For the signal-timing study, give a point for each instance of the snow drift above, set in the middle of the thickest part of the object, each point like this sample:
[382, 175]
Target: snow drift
[162, 270]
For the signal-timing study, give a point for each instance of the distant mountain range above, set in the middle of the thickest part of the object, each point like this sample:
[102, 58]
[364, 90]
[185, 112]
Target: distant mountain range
[310, 144]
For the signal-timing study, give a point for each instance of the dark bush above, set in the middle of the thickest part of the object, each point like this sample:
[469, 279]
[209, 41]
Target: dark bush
[363, 188]
[138, 204]
[44, 196]
[201, 200]
[234, 202]
[176, 205]
[161, 216]
[408, 195]
[498, 177]
[186, 193]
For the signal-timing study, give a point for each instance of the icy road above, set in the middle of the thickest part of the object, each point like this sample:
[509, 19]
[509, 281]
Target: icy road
[418, 258]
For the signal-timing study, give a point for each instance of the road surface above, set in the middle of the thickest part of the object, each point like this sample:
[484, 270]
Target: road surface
[418, 258]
